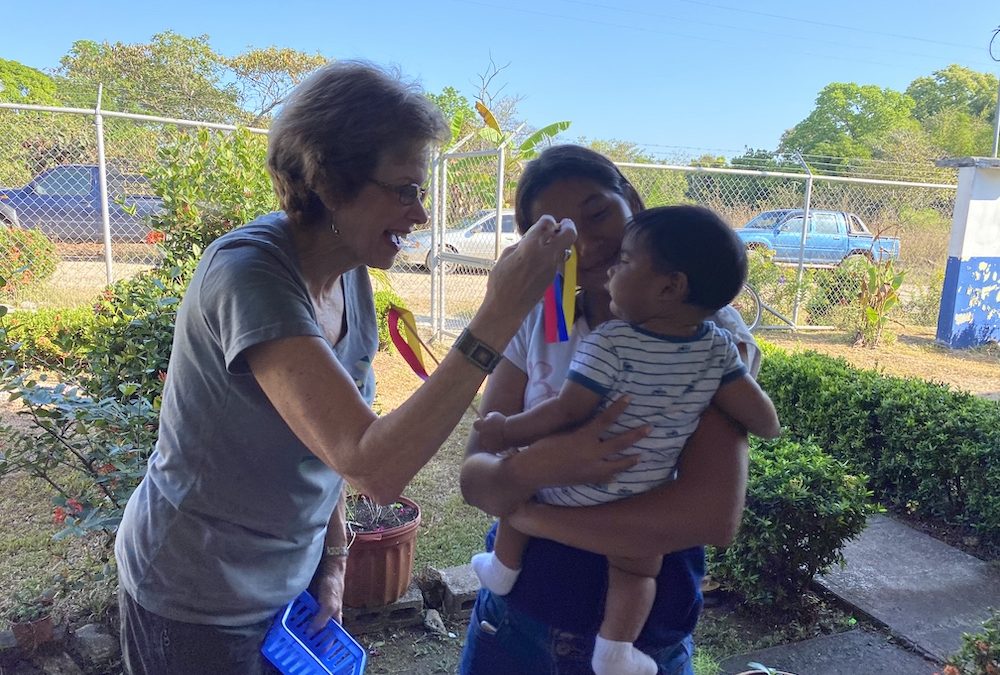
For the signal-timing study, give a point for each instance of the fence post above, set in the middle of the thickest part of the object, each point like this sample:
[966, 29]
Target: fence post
[501, 155]
[102, 180]
[435, 218]
[802, 241]
[437, 245]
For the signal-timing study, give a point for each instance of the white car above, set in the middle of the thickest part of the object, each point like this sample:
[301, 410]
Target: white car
[474, 236]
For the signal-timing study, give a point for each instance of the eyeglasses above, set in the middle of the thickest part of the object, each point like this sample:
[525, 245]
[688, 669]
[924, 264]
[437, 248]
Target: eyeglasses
[407, 194]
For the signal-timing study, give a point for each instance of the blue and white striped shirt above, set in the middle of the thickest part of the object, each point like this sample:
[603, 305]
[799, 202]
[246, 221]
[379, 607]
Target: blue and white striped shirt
[670, 381]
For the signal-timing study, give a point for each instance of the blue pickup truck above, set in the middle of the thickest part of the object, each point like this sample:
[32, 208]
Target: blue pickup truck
[64, 203]
[831, 237]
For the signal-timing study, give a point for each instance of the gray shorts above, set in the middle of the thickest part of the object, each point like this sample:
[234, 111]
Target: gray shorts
[154, 645]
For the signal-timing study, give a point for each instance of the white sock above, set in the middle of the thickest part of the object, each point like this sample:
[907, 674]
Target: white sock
[620, 658]
[493, 574]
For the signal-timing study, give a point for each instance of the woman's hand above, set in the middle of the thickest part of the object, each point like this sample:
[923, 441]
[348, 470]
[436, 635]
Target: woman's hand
[526, 269]
[580, 456]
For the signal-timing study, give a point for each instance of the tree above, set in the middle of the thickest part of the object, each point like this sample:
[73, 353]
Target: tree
[849, 120]
[457, 110]
[954, 88]
[957, 133]
[22, 84]
[33, 141]
[264, 77]
[172, 75]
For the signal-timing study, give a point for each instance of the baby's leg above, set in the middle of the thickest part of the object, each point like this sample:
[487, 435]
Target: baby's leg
[498, 571]
[631, 592]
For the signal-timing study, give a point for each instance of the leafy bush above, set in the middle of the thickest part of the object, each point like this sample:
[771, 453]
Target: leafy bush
[48, 337]
[980, 652]
[210, 183]
[92, 452]
[927, 449]
[802, 505]
[26, 256]
[836, 288]
[383, 298]
[879, 294]
[134, 332]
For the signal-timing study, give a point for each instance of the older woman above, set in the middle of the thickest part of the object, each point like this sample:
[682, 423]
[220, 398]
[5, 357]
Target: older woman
[267, 407]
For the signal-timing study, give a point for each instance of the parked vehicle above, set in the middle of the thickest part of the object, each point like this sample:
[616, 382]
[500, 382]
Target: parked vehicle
[474, 236]
[831, 237]
[64, 203]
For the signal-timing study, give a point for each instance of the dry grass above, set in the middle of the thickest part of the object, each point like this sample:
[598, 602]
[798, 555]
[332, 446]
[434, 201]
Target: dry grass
[913, 353]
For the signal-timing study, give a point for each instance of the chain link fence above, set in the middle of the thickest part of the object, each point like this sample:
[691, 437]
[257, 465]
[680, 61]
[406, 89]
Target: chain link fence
[78, 199]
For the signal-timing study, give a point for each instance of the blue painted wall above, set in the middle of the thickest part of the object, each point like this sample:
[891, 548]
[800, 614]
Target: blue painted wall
[970, 302]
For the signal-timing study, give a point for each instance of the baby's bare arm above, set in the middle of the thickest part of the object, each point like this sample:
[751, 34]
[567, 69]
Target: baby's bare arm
[574, 405]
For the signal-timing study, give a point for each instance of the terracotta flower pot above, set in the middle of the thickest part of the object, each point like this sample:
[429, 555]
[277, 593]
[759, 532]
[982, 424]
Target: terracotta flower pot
[380, 564]
[31, 634]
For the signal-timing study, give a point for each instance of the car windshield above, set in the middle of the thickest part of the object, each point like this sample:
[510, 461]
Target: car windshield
[766, 221]
[467, 221]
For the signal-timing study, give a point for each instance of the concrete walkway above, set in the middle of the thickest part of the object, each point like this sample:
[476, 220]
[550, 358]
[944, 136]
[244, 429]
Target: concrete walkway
[924, 594]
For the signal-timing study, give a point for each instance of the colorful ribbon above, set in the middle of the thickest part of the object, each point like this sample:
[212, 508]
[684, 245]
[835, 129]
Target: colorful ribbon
[560, 302]
[407, 341]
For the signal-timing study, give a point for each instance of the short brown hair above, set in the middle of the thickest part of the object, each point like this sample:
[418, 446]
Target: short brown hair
[336, 125]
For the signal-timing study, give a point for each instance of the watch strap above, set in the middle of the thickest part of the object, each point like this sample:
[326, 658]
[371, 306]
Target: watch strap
[480, 353]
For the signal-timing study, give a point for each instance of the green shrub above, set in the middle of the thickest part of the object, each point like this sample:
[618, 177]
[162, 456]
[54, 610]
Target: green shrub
[383, 298]
[210, 183]
[927, 449]
[835, 288]
[92, 452]
[134, 332]
[48, 337]
[26, 257]
[802, 505]
[980, 652]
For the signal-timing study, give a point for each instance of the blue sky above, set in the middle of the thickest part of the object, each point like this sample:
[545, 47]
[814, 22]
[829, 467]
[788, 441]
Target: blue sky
[677, 76]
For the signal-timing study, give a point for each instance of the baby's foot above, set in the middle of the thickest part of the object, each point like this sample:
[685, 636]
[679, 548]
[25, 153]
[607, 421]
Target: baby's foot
[620, 658]
[493, 574]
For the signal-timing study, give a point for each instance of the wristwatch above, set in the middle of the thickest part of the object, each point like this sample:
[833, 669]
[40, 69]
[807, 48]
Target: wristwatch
[476, 351]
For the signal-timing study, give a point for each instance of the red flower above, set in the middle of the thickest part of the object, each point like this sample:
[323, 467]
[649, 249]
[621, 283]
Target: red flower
[154, 237]
[75, 505]
[59, 515]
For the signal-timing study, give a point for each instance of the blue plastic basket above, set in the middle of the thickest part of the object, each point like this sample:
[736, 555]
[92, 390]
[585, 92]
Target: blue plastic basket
[331, 651]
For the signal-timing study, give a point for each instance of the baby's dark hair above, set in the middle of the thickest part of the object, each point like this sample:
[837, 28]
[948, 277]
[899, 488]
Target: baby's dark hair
[698, 242]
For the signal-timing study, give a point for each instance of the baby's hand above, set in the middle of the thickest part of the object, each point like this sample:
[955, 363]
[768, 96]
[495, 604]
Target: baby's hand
[490, 430]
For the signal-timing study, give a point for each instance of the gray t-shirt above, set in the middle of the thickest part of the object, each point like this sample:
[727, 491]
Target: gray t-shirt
[228, 524]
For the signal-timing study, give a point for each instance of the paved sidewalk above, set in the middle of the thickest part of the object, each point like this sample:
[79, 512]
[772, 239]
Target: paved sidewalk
[858, 651]
[923, 592]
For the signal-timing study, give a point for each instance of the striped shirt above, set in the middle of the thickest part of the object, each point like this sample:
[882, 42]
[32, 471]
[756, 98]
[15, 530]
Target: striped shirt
[670, 381]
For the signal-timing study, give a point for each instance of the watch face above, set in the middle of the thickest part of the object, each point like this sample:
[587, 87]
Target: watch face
[481, 354]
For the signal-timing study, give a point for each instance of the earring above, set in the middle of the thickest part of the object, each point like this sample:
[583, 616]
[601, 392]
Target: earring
[336, 232]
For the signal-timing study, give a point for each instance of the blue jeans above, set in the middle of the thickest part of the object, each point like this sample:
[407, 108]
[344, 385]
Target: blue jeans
[155, 645]
[502, 640]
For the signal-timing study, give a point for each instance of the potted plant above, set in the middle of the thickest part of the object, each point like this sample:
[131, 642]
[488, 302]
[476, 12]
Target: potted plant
[382, 543]
[30, 616]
